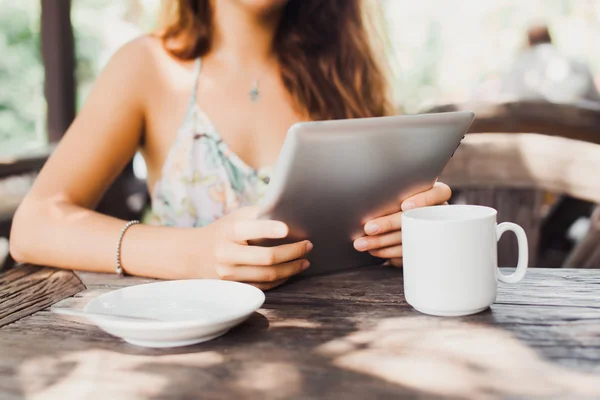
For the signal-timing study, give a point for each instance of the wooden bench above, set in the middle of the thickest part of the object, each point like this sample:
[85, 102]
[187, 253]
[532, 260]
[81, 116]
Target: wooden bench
[515, 155]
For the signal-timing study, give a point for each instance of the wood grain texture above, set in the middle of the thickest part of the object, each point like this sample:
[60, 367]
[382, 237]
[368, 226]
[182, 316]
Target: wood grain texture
[528, 161]
[561, 158]
[27, 289]
[33, 161]
[511, 172]
[345, 336]
[578, 122]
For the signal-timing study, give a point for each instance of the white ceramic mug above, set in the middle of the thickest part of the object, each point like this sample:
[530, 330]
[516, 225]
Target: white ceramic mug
[451, 258]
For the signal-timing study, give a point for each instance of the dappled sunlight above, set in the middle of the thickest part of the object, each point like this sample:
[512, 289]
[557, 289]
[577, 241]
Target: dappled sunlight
[295, 323]
[102, 374]
[455, 358]
[276, 379]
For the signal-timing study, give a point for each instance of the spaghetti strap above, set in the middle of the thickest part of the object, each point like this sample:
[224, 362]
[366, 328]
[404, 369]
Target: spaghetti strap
[202, 179]
[197, 65]
[193, 96]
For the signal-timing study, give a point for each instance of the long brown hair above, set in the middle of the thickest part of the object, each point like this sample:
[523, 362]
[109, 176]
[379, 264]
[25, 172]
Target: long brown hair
[327, 60]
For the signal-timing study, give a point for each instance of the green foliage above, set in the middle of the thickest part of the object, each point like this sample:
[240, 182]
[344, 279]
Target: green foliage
[22, 105]
[22, 102]
[101, 27]
[439, 49]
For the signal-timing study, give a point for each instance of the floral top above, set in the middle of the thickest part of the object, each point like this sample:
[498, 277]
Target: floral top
[202, 179]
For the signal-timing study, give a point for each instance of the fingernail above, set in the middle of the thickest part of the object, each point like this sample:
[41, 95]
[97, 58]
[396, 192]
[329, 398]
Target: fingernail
[408, 205]
[371, 229]
[305, 264]
[280, 230]
[309, 246]
[360, 244]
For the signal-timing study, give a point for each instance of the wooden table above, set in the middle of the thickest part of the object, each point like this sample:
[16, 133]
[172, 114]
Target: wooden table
[346, 336]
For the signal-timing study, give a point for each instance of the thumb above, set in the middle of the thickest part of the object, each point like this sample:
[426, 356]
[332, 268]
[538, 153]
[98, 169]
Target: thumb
[251, 212]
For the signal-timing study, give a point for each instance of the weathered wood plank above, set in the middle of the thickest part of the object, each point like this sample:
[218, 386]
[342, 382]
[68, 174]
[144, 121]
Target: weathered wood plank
[27, 289]
[297, 343]
[555, 288]
[325, 353]
[28, 163]
[567, 135]
[349, 335]
[543, 287]
[510, 172]
[571, 121]
[93, 280]
[526, 161]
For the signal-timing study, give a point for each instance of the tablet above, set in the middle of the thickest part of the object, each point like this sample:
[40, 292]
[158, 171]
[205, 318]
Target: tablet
[331, 177]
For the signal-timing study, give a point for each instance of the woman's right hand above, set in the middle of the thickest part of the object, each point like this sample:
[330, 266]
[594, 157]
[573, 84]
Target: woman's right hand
[263, 267]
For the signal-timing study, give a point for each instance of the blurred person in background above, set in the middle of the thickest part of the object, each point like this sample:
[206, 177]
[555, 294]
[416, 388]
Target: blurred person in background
[209, 100]
[541, 72]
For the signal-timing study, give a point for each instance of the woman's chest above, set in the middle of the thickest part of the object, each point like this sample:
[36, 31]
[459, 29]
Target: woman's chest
[252, 128]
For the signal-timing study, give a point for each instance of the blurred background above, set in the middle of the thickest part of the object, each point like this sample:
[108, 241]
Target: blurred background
[440, 51]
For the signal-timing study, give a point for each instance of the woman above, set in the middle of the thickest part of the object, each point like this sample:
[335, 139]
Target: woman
[209, 100]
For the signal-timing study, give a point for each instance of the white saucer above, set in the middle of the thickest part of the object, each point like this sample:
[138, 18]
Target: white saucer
[190, 311]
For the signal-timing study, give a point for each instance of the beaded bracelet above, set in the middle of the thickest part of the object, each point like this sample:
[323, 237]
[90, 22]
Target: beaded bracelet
[119, 270]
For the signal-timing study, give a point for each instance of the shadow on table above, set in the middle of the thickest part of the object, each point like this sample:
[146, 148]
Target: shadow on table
[356, 348]
[453, 358]
[118, 369]
[404, 355]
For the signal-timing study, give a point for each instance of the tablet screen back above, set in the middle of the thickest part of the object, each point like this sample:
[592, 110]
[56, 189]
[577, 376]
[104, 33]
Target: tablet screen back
[334, 176]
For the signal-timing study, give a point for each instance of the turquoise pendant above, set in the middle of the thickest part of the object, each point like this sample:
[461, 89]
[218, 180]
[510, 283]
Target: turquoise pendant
[254, 94]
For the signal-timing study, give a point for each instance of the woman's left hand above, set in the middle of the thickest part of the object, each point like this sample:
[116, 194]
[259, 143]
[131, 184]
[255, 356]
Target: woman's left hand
[384, 235]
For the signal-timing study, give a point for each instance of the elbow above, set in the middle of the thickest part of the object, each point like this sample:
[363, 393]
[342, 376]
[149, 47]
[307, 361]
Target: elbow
[21, 233]
[16, 252]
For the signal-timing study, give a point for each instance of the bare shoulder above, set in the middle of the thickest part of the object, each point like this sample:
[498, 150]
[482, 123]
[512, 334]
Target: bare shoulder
[138, 57]
[140, 71]
[146, 61]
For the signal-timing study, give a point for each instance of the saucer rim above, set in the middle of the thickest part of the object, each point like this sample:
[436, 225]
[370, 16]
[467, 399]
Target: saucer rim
[108, 321]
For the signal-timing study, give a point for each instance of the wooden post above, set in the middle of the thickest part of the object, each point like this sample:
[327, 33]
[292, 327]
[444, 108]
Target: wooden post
[58, 52]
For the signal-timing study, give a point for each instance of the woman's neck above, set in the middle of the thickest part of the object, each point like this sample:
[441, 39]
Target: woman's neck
[244, 38]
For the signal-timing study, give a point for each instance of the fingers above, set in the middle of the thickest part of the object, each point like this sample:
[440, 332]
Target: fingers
[268, 285]
[396, 262]
[438, 194]
[262, 256]
[250, 212]
[379, 241]
[388, 252]
[247, 229]
[385, 224]
[256, 274]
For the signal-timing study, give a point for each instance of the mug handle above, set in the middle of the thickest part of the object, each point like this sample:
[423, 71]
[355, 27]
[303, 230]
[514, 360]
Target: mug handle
[523, 251]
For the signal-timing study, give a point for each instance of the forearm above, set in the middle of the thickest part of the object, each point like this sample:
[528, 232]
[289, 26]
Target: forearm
[68, 236]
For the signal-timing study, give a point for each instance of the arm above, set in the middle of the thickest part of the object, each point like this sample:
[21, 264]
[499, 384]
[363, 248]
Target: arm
[55, 224]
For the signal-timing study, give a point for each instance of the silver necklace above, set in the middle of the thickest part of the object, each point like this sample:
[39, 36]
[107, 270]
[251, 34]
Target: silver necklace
[254, 92]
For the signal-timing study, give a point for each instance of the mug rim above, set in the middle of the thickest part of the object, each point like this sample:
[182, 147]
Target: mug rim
[422, 214]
